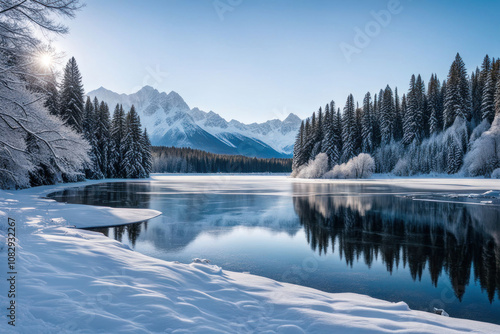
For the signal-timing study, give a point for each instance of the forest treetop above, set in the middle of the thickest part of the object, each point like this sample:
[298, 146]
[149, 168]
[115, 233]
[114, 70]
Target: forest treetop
[447, 128]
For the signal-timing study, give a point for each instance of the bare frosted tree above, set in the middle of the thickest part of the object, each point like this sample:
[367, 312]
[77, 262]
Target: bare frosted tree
[31, 139]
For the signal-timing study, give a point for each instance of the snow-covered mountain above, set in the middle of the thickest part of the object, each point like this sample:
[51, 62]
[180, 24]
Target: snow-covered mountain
[170, 122]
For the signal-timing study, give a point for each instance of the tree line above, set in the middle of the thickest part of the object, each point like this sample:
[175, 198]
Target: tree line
[444, 127]
[188, 160]
[118, 146]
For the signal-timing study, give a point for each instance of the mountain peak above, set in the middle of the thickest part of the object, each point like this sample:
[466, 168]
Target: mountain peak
[147, 88]
[171, 122]
[292, 118]
[101, 90]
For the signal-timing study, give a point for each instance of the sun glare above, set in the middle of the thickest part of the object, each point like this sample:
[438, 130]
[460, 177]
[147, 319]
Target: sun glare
[45, 60]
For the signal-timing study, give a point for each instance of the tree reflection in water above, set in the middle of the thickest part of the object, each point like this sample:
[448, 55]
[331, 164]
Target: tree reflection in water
[403, 232]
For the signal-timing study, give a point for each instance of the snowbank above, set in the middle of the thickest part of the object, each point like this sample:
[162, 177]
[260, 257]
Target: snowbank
[75, 215]
[359, 167]
[74, 280]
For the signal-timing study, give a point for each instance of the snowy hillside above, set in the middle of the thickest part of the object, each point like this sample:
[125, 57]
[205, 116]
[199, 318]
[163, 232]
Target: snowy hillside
[170, 122]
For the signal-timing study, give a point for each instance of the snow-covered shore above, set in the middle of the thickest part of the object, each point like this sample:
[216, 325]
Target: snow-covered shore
[72, 280]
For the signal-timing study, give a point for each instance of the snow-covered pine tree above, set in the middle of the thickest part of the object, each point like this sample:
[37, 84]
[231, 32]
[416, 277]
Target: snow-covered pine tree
[324, 127]
[298, 148]
[317, 135]
[328, 145]
[147, 158]
[483, 74]
[387, 116]
[497, 99]
[92, 170]
[404, 109]
[420, 110]
[476, 98]
[133, 146]
[380, 101]
[398, 117]
[458, 98]
[117, 141]
[409, 120]
[376, 121]
[319, 125]
[102, 133]
[71, 96]
[349, 130]
[52, 93]
[359, 117]
[367, 125]
[308, 143]
[488, 97]
[339, 142]
[326, 119]
[434, 105]
[88, 124]
[312, 137]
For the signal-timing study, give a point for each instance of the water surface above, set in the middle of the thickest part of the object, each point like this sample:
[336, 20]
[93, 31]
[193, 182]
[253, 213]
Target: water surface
[377, 239]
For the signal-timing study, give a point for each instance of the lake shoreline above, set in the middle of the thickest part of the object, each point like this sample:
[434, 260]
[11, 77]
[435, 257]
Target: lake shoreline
[48, 241]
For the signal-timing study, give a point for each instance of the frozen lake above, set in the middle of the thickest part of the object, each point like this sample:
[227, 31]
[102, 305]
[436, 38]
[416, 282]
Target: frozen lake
[388, 240]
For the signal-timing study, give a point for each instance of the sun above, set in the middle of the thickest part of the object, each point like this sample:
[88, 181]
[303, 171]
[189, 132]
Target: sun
[45, 60]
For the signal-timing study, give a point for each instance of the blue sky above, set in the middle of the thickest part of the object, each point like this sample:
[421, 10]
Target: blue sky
[254, 60]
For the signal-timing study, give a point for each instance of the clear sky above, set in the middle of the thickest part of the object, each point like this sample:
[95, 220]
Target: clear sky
[255, 60]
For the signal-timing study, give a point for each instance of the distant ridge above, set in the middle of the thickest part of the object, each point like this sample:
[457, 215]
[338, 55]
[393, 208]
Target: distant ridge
[171, 122]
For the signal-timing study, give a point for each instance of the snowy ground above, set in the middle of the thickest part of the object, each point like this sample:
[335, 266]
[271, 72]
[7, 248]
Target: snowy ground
[71, 280]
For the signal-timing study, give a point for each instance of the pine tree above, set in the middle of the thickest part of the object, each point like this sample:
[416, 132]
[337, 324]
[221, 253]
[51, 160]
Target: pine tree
[410, 116]
[387, 116]
[338, 134]
[359, 139]
[317, 134]
[485, 70]
[398, 117]
[476, 98]
[404, 108]
[327, 144]
[147, 159]
[488, 97]
[376, 122]
[71, 97]
[327, 119]
[133, 146]
[367, 125]
[434, 105]
[458, 97]
[497, 99]
[349, 130]
[118, 132]
[420, 109]
[298, 149]
[319, 126]
[308, 142]
[52, 99]
[103, 132]
[92, 171]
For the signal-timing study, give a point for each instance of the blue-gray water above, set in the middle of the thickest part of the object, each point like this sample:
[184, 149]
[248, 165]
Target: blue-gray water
[372, 239]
